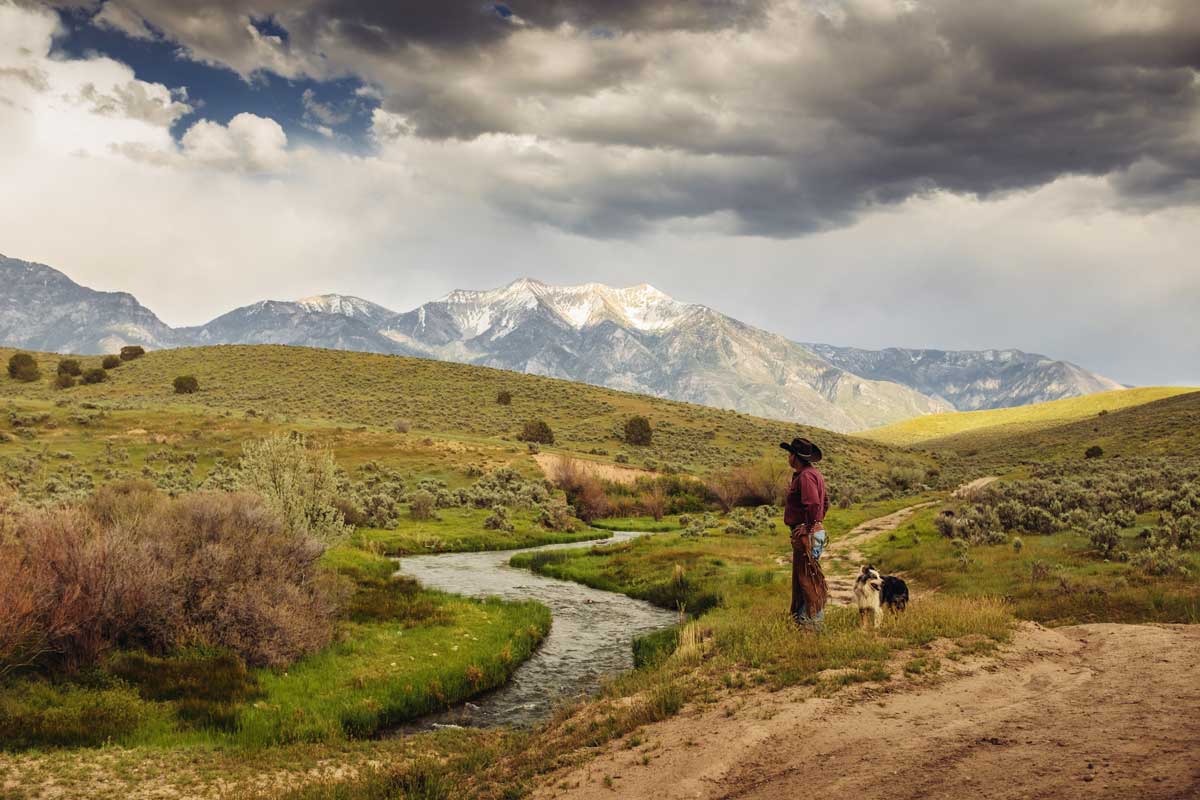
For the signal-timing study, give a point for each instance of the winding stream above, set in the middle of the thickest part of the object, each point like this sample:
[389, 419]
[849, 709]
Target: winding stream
[591, 635]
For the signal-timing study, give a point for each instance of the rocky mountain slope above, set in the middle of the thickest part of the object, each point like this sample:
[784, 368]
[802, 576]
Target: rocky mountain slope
[641, 340]
[971, 380]
[43, 309]
[637, 339]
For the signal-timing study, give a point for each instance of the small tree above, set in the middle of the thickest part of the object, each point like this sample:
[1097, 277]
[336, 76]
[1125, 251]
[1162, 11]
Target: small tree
[130, 352]
[110, 362]
[95, 375]
[504, 398]
[1095, 451]
[299, 484]
[69, 366]
[23, 367]
[638, 431]
[63, 381]
[186, 384]
[536, 430]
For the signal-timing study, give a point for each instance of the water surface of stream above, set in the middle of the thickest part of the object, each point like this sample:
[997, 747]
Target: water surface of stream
[591, 635]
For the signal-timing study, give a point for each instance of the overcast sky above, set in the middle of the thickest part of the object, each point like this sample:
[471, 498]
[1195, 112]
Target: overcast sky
[927, 173]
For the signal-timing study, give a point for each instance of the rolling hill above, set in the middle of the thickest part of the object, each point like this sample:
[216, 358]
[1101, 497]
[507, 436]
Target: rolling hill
[443, 401]
[1168, 427]
[934, 430]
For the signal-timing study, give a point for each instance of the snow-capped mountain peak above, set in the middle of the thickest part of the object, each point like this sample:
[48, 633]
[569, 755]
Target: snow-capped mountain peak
[640, 307]
[344, 305]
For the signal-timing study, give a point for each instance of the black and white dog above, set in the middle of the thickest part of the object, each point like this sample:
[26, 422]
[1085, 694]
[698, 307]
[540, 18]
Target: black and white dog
[873, 591]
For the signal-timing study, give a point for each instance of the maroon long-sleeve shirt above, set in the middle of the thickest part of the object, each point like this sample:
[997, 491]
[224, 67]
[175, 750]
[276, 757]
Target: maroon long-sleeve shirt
[806, 501]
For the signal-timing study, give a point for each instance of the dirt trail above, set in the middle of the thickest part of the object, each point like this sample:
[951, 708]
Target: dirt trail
[1080, 712]
[843, 558]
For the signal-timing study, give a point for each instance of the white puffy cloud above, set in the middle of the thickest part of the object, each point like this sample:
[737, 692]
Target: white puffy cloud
[249, 143]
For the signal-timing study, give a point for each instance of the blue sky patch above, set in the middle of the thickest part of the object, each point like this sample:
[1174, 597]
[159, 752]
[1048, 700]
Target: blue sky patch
[219, 94]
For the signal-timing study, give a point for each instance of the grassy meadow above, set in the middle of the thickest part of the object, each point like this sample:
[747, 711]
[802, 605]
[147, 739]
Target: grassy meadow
[424, 459]
[1055, 579]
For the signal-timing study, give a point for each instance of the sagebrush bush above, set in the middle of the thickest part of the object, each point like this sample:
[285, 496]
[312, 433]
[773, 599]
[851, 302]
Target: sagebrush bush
[498, 520]
[504, 398]
[421, 505]
[131, 352]
[63, 381]
[110, 362]
[186, 384]
[94, 375]
[298, 483]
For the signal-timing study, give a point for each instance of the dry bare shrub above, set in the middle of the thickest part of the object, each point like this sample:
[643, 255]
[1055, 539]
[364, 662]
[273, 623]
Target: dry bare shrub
[654, 501]
[584, 491]
[136, 569]
[241, 579]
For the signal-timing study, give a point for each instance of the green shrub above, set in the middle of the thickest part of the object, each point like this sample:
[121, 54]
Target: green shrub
[1105, 537]
[63, 381]
[186, 384]
[504, 398]
[421, 504]
[69, 366]
[1095, 451]
[498, 520]
[130, 352]
[299, 484]
[110, 362]
[95, 375]
[23, 367]
[638, 431]
[537, 431]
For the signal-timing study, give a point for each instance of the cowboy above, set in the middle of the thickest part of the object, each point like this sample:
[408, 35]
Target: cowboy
[804, 511]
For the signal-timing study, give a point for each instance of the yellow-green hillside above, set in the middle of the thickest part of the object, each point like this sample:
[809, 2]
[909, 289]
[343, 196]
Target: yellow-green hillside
[1165, 428]
[1020, 419]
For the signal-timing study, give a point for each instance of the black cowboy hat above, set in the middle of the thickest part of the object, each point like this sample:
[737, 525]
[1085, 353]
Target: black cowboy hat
[803, 448]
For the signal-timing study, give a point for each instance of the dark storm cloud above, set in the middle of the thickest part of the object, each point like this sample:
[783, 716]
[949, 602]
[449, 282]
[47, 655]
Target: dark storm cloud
[783, 117]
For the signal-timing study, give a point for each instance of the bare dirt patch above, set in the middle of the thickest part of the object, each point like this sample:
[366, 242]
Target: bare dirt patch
[1079, 712]
[550, 462]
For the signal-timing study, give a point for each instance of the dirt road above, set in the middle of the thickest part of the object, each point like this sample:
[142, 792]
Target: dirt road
[1091, 711]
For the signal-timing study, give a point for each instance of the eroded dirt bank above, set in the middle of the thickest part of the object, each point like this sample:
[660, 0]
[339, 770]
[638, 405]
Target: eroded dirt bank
[1079, 712]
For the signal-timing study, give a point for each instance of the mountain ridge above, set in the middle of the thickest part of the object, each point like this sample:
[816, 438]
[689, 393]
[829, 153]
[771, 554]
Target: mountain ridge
[634, 338]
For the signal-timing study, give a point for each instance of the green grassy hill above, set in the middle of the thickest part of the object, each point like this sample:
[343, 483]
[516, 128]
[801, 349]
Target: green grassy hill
[1168, 428]
[449, 406]
[1020, 419]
